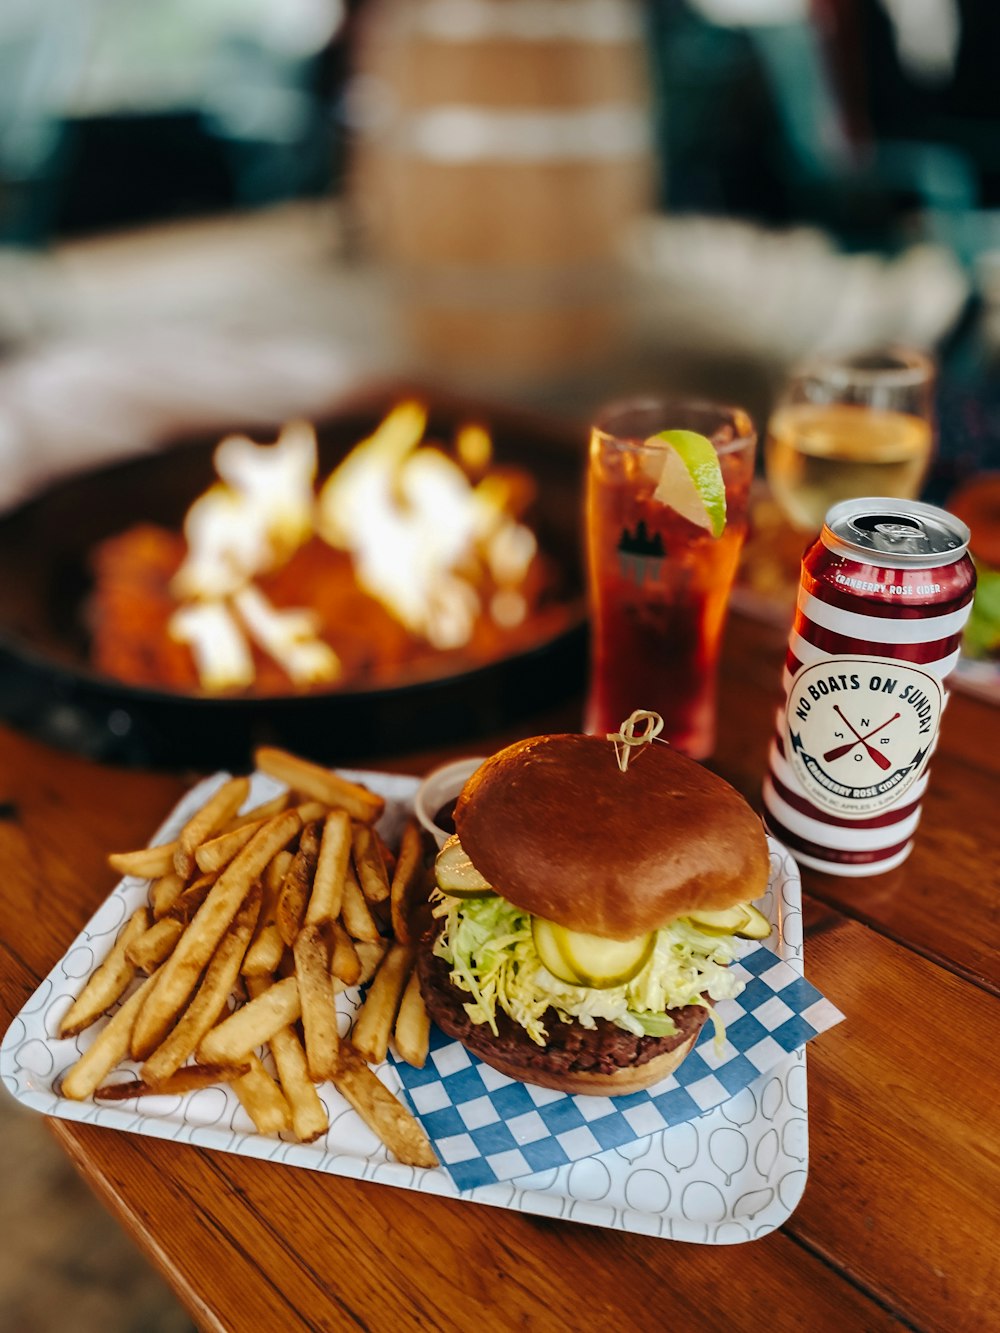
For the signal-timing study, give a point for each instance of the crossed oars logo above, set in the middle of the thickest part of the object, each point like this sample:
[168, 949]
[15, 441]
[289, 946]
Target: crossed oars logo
[848, 746]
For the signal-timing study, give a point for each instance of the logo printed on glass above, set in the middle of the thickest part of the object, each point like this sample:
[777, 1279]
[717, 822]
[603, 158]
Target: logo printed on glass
[859, 731]
[640, 555]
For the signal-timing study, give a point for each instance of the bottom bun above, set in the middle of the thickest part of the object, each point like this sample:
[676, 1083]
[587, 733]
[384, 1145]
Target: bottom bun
[632, 1078]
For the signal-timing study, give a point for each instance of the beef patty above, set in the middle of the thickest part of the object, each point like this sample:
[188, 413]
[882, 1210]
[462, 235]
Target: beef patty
[571, 1046]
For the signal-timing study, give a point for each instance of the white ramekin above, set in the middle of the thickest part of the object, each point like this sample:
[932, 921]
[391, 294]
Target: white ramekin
[440, 786]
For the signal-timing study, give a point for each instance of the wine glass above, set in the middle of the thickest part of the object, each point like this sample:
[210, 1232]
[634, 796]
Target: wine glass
[847, 427]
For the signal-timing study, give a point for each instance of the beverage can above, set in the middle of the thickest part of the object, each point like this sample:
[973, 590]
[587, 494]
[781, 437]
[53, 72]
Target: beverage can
[884, 595]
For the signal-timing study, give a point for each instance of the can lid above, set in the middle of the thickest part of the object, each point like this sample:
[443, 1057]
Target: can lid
[906, 532]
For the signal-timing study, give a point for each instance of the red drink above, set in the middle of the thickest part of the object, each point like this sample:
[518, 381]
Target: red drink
[660, 584]
[885, 592]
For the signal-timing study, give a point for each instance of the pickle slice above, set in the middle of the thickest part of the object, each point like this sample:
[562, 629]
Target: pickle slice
[757, 926]
[546, 941]
[743, 920]
[601, 962]
[728, 922]
[456, 875]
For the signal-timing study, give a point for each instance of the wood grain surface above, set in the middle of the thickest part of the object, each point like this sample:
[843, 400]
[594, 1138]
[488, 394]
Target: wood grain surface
[900, 1222]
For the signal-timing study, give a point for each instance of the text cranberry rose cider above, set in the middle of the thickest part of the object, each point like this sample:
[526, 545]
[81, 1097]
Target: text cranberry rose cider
[588, 907]
[885, 592]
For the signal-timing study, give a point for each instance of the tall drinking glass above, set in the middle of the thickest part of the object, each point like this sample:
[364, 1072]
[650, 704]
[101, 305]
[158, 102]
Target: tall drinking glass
[659, 584]
[850, 426]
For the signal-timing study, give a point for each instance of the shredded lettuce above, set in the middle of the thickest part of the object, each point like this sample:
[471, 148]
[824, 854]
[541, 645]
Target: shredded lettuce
[488, 946]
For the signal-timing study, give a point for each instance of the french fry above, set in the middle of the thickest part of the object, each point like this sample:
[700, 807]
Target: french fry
[262, 1099]
[209, 1000]
[381, 1111]
[309, 1118]
[413, 1025]
[408, 887]
[108, 982]
[218, 852]
[164, 892]
[193, 896]
[345, 965]
[320, 783]
[189, 1079]
[267, 810]
[252, 1025]
[331, 867]
[213, 815]
[312, 810]
[267, 946]
[370, 953]
[297, 884]
[319, 1013]
[274, 875]
[110, 1046]
[374, 1023]
[155, 944]
[369, 863]
[179, 975]
[146, 862]
[265, 953]
[355, 912]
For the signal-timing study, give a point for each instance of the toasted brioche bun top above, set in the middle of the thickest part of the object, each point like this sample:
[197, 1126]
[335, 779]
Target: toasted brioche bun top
[558, 830]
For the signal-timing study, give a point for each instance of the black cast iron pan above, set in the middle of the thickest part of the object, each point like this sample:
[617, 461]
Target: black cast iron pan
[48, 689]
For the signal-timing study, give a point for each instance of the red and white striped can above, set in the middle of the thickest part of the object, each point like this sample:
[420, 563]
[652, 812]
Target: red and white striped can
[884, 594]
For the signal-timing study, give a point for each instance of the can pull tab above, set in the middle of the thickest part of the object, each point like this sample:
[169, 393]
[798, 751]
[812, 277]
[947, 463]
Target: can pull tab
[904, 537]
[891, 534]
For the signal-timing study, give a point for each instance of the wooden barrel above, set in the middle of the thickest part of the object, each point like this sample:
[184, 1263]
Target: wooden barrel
[501, 147]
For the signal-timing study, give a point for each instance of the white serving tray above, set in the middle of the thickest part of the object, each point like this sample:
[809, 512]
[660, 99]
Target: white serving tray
[731, 1175]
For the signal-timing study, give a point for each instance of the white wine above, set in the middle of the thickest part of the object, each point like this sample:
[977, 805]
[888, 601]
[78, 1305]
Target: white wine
[817, 454]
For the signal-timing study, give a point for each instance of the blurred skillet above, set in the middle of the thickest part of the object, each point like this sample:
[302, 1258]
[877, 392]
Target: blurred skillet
[48, 689]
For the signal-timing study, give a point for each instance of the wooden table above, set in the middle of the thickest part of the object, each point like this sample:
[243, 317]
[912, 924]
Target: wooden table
[900, 1222]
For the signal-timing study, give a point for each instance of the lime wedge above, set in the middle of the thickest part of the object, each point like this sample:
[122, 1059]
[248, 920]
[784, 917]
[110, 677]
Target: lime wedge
[691, 482]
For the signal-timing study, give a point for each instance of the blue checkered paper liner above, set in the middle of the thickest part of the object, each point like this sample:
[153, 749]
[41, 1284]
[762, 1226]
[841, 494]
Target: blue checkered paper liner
[487, 1127]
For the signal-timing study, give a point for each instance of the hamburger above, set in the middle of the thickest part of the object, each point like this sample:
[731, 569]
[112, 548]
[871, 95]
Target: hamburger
[585, 915]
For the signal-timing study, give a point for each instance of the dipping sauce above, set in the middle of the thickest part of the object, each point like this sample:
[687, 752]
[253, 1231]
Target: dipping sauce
[445, 817]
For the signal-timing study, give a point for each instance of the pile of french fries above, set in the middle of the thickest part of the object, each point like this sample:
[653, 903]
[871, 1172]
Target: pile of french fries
[254, 923]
